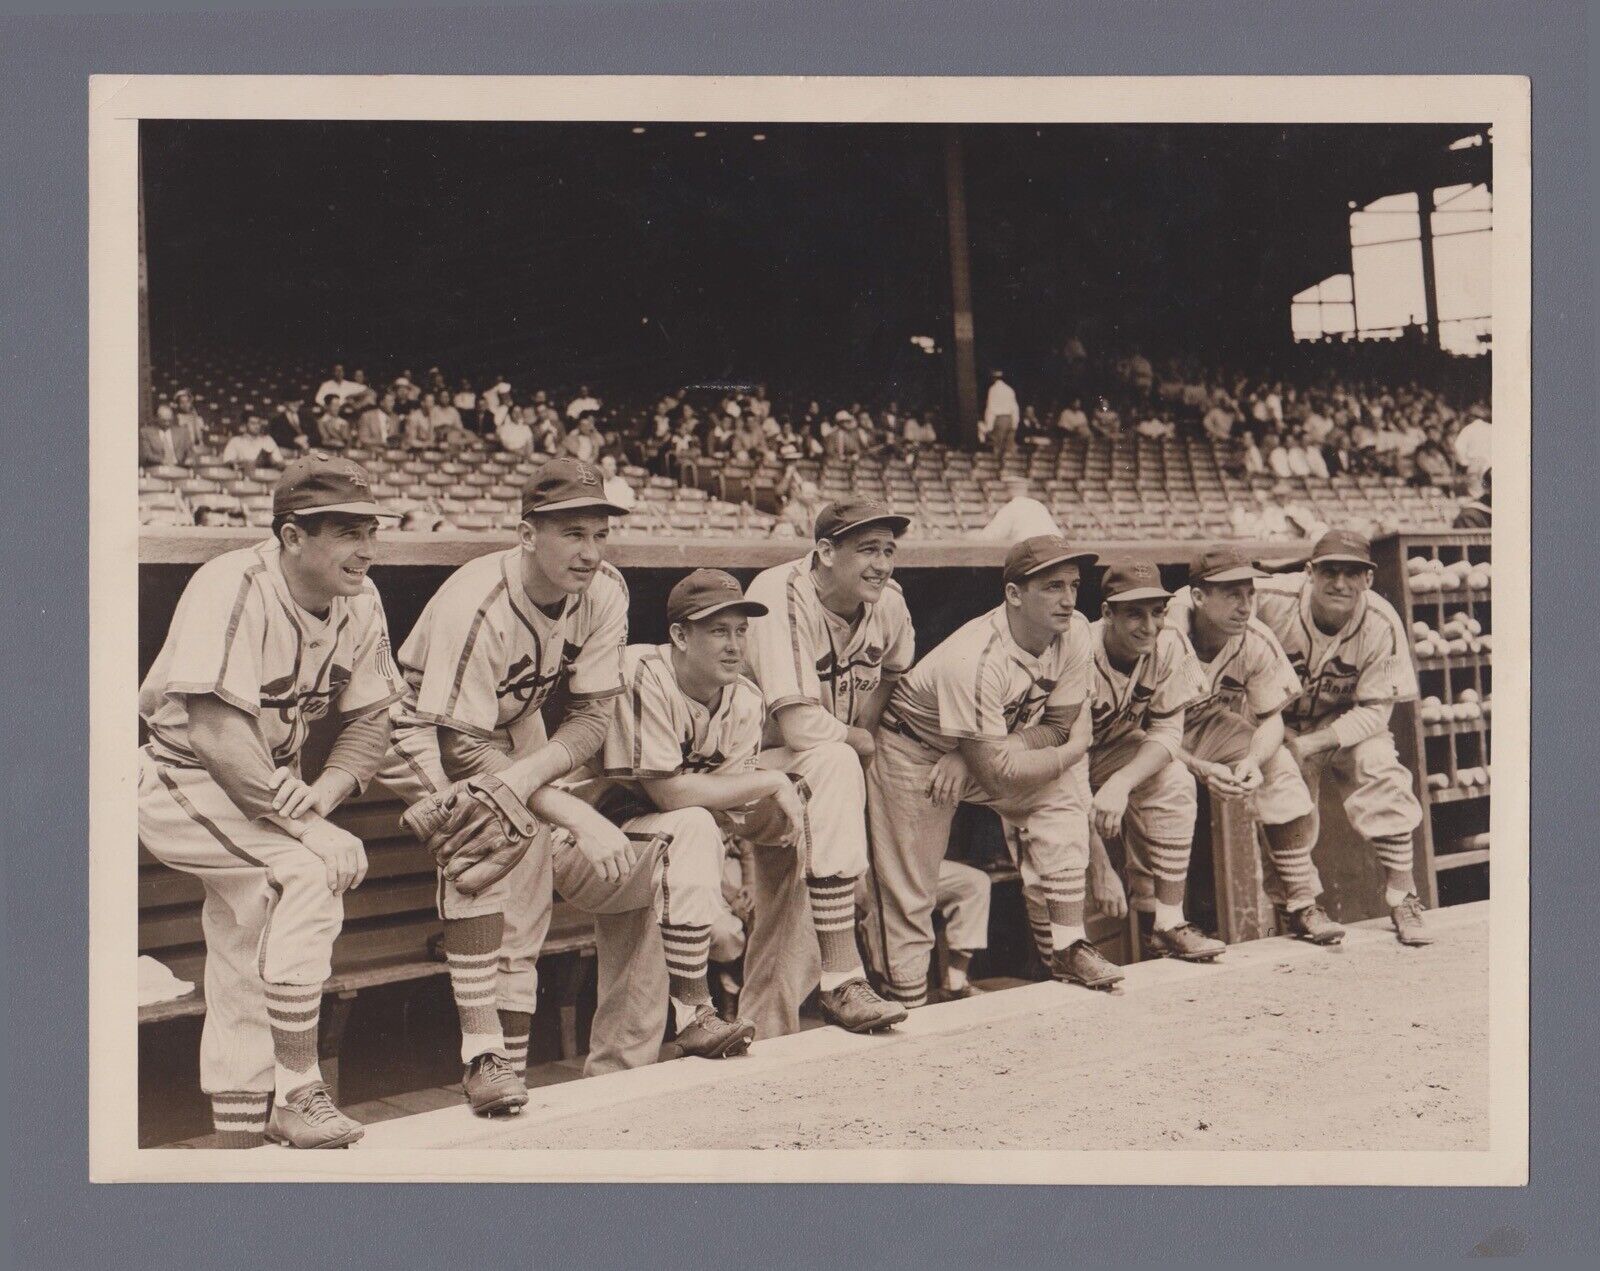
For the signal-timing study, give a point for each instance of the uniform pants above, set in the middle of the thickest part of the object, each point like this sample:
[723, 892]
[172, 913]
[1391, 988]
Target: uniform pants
[1287, 870]
[783, 961]
[1158, 827]
[1047, 832]
[268, 916]
[962, 900]
[1375, 788]
[676, 879]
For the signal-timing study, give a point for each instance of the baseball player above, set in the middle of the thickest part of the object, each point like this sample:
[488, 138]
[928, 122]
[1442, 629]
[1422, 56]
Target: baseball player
[1233, 736]
[488, 649]
[1353, 658]
[836, 636]
[1145, 676]
[684, 755]
[266, 640]
[993, 716]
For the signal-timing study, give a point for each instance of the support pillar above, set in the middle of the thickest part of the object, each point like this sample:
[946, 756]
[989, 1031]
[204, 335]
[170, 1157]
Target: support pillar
[1430, 286]
[955, 185]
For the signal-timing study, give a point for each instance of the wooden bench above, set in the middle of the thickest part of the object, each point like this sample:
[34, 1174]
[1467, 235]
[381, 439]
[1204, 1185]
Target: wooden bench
[389, 936]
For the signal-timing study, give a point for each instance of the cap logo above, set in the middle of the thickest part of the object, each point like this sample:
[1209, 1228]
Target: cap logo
[587, 476]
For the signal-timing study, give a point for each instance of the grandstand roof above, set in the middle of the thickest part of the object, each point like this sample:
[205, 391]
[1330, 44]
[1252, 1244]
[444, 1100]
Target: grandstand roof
[665, 254]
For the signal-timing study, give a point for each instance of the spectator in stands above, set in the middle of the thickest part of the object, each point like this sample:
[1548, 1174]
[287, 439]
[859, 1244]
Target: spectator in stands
[1477, 514]
[548, 434]
[514, 434]
[1000, 414]
[1074, 421]
[417, 429]
[583, 403]
[494, 404]
[686, 452]
[1219, 420]
[1337, 454]
[1278, 456]
[189, 419]
[164, 444]
[1317, 425]
[1248, 456]
[844, 442]
[251, 448]
[465, 400]
[615, 489]
[337, 385]
[1030, 430]
[1106, 422]
[333, 430]
[719, 438]
[749, 441]
[286, 429]
[1141, 375]
[1475, 447]
[375, 422]
[1303, 454]
[1156, 425]
[1432, 464]
[799, 515]
[443, 413]
[1022, 516]
[584, 442]
[422, 521]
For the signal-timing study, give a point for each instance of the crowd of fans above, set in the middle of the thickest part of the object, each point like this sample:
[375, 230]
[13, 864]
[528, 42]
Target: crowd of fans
[1305, 421]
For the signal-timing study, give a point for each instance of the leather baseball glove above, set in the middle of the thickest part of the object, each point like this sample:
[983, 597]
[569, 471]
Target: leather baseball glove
[477, 831]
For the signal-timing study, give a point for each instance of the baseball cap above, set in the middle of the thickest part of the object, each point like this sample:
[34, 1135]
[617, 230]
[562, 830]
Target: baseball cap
[838, 519]
[1223, 564]
[1040, 552]
[1136, 580]
[706, 592]
[1343, 545]
[326, 483]
[567, 485]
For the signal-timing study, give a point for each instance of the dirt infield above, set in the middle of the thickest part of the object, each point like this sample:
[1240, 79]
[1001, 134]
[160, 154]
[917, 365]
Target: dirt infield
[1371, 1047]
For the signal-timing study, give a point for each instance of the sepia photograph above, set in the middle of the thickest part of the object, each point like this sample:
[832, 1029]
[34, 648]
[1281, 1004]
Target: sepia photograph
[810, 630]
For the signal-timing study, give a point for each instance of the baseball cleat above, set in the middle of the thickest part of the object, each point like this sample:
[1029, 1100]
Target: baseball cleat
[854, 1007]
[1312, 923]
[1186, 942]
[709, 1036]
[969, 989]
[492, 1086]
[309, 1120]
[1409, 924]
[1081, 963]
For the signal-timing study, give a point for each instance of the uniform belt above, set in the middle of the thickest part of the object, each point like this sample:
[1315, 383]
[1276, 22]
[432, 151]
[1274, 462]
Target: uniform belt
[896, 726]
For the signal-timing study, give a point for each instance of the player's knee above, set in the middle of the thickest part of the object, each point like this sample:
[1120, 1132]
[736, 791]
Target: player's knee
[838, 769]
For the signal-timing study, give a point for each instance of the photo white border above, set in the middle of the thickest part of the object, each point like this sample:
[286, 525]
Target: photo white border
[116, 105]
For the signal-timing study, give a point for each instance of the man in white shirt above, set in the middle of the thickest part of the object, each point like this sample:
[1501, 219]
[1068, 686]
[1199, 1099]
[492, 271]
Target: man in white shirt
[252, 447]
[1475, 448]
[338, 385]
[1022, 517]
[1073, 421]
[1000, 414]
[613, 486]
[582, 404]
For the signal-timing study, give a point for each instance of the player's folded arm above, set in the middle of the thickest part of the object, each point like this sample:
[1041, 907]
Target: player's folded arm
[714, 791]
[1006, 768]
[228, 744]
[360, 748]
[804, 725]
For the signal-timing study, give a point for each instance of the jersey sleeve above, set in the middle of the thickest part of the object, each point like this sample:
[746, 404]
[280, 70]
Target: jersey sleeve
[783, 645]
[1387, 673]
[374, 678]
[1179, 679]
[1270, 679]
[643, 740]
[971, 700]
[597, 670]
[464, 660]
[218, 638]
[901, 644]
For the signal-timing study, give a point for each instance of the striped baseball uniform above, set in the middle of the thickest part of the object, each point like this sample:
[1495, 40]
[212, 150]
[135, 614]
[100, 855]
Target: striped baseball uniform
[978, 685]
[1367, 662]
[1147, 703]
[269, 919]
[1249, 679]
[803, 652]
[482, 659]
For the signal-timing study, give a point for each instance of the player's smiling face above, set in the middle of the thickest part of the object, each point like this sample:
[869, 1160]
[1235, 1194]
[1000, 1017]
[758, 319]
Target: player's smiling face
[329, 556]
[1047, 601]
[862, 563]
[1133, 625]
[714, 647]
[1336, 588]
[566, 549]
[1225, 606]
